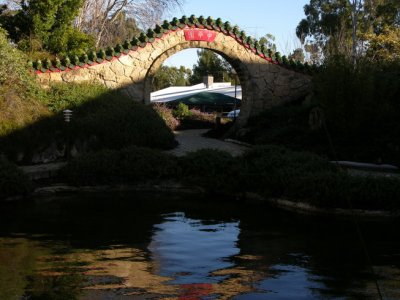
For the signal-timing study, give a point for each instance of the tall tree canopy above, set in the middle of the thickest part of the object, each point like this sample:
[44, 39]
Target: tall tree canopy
[61, 26]
[46, 25]
[210, 63]
[98, 16]
[346, 26]
[171, 76]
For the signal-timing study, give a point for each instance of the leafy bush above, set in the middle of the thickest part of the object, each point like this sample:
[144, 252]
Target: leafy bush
[287, 126]
[299, 176]
[12, 180]
[62, 96]
[22, 101]
[362, 108]
[269, 169]
[166, 114]
[198, 120]
[106, 120]
[214, 170]
[181, 111]
[129, 165]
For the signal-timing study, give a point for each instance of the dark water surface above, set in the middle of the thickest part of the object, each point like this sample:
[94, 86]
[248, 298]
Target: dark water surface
[146, 246]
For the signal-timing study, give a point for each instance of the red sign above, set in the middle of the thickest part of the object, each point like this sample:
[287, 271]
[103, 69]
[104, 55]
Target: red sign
[200, 35]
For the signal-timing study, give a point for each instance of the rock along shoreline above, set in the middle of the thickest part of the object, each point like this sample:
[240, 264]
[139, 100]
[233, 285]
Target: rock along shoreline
[250, 198]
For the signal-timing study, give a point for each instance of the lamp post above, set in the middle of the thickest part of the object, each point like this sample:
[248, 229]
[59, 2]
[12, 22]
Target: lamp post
[67, 115]
[67, 118]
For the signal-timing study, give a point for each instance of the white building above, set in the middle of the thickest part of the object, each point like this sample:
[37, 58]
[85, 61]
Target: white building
[177, 92]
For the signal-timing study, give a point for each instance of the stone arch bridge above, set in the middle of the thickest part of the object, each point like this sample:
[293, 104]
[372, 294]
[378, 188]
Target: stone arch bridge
[267, 79]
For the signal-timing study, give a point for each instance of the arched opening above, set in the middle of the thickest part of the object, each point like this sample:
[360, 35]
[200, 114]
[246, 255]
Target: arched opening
[235, 89]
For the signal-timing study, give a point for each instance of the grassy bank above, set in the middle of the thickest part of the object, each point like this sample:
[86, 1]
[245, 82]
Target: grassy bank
[32, 128]
[102, 119]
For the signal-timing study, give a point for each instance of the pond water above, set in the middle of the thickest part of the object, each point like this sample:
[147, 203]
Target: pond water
[146, 246]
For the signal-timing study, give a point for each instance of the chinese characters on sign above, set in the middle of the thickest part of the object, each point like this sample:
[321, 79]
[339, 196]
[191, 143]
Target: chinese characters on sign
[199, 35]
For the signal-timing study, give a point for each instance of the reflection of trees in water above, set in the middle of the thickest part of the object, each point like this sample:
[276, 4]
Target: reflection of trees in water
[255, 256]
[328, 250]
[18, 258]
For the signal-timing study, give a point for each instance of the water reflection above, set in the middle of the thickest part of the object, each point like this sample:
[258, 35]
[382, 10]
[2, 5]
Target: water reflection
[189, 250]
[206, 252]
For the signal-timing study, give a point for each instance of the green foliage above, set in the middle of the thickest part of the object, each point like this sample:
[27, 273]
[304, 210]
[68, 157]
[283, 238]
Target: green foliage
[209, 63]
[214, 170]
[181, 111]
[62, 96]
[361, 105]
[47, 24]
[171, 76]
[270, 169]
[22, 101]
[297, 55]
[122, 28]
[287, 126]
[268, 41]
[13, 181]
[101, 119]
[278, 172]
[197, 120]
[386, 45]
[129, 165]
[166, 114]
[347, 27]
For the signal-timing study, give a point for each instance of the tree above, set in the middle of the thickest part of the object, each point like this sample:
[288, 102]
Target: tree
[210, 63]
[171, 76]
[297, 55]
[386, 45]
[97, 16]
[345, 26]
[123, 28]
[46, 25]
[268, 41]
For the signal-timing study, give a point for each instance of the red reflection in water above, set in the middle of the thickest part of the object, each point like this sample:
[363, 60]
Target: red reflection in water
[194, 291]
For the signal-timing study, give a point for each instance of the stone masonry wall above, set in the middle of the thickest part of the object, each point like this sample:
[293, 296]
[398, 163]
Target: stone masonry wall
[264, 84]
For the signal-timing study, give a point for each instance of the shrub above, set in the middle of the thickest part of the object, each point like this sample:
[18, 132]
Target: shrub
[198, 120]
[214, 170]
[22, 101]
[361, 107]
[166, 114]
[181, 111]
[101, 119]
[286, 125]
[12, 180]
[62, 96]
[269, 169]
[299, 176]
[129, 165]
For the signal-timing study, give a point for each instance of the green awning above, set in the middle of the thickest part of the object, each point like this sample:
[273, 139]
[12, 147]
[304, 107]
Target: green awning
[206, 98]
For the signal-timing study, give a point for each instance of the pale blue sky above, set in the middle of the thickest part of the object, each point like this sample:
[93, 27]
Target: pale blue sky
[256, 17]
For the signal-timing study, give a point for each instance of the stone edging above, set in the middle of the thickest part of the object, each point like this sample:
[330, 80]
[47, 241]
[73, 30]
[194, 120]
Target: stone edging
[251, 198]
[305, 208]
[239, 143]
[165, 187]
